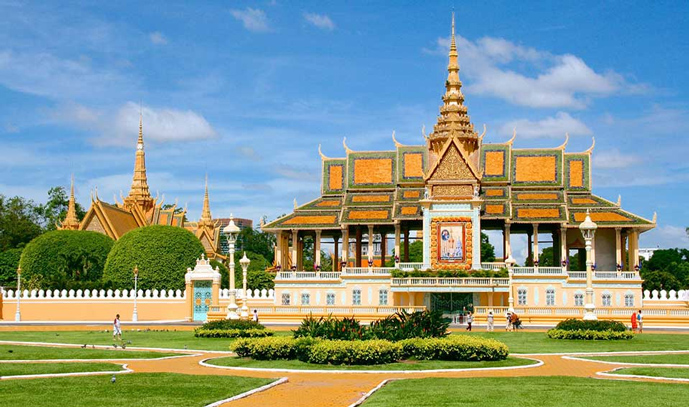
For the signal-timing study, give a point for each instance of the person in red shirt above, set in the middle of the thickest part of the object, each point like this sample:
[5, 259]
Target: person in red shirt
[634, 322]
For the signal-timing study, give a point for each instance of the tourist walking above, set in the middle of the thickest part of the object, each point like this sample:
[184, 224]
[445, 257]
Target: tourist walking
[508, 325]
[634, 322]
[640, 321]
[470, 320]
[255, 316]
[116, 328]
[490, 321]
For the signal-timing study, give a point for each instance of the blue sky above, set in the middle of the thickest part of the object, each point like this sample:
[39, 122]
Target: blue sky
[247, 90]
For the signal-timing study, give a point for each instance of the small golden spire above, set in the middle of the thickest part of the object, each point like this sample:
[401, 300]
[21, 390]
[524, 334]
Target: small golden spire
[71, 221]
[139, 193]
[206, 218]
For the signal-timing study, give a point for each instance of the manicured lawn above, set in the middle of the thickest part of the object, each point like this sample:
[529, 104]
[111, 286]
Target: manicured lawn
[18, 352]
[675, 372]
[13, 369]
[407, 365]
[538, 342]
[527, 392]
[673, 358]
[147, 339]
[131, 390]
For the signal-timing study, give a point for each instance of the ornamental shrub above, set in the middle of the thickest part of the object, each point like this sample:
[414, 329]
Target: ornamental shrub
[162, 254]
[273, 348]
[371, 352]
[597, 325]
[55, 258]
[232, 333]
[456, 347]
[405, 325]
[9, 261]
[347, 328]
[589, 335]
[240, 324]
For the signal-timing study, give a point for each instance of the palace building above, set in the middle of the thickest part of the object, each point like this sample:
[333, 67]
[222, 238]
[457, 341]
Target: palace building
[447, 191]
[140, 209]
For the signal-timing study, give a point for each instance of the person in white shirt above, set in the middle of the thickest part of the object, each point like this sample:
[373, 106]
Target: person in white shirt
[490, 321]
[117, 329]
[254, 317]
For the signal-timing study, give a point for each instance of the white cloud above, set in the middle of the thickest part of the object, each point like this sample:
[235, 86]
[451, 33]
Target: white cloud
[253, 19]
[665, 237]
[614, 159]
[552, 127]
[157, 38]
[121, 126]
[321, 21]
[551, 81]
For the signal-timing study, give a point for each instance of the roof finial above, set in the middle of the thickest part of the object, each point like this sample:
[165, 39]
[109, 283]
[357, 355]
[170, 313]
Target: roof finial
[593, 144]
[619, 200]
[71, 221]
[206, 217]
[397, 143]
[344, 144]
[140, 142]
[480, 138]
[562, 147]
[323, 157]
[514, 136]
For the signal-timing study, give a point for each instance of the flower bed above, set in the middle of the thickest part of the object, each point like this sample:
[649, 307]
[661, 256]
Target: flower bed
[590, 335]
[581, 325]
[370, 352]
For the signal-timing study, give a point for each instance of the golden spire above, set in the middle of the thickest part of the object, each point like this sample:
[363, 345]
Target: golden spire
[453, 120]
[71, 222]
[139, 193]
[206, 218]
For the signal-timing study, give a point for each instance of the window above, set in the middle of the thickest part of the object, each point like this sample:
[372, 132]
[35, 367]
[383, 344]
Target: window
[330, 299]
[550, 297]
[578, 300]
[629, 300]
[521, 296]
[383, 297]
[607, 300]
[305, 299]
[285, 298]
[356, 297]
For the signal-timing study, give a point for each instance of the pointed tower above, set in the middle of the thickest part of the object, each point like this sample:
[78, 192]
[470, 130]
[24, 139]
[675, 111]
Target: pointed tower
[453, 120]
[206, 218]
[71, 222]
[139, 194]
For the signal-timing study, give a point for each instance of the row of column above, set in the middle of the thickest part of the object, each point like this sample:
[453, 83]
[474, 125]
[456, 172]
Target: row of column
[626, 246]
[289, 248]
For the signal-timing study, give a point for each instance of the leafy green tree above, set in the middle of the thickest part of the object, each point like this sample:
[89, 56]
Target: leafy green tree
[55, 210]
[661, 259]
[545, 259]
[20, 222]
[256, 276]
[161, 253]
[257, 241]
[659, 280]
[61, 256]
[9, 261]
[487, 249]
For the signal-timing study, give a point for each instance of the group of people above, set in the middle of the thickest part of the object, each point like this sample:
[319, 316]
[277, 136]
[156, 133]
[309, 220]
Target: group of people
[637, 322]
[512, 320]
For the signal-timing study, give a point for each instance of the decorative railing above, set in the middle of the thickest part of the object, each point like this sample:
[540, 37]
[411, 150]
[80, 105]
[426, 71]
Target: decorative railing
[307, 275]
[94, 294]
[449, 281]
[579, 311]
[662, 295]
[605, 275]
[538, 271]
[413, 266]
[493, 266]
[367, 270]
[250, 294]
[334, 310]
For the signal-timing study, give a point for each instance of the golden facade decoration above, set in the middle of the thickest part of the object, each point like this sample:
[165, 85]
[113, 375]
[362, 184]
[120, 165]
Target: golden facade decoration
[467, 225]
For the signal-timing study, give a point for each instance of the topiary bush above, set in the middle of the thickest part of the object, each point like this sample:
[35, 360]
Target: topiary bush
[589, 335]
[456, 347]
[232, 324]
[56, 258]
[274, 348]
[9, 261]
[232, 333]
[371, 352]
[162, 254]
[573, 324]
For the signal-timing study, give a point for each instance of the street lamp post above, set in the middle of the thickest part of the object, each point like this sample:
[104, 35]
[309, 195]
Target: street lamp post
[18, 314]
[588, 230]
[231, 231]
[244, 262]
[135, 314]
[509, 262]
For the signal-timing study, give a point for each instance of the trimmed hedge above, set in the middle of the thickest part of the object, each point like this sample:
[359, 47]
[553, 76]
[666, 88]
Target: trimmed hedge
[162, 254]
[456, 347]
[372, 352]
[597, 325]
[589, 335]
[53, 258]
[232, 324]
[9, 261]
[232, 333]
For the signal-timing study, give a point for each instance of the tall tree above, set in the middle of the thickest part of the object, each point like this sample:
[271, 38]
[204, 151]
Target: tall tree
[20, 222]
[55, 209]
[487, 249]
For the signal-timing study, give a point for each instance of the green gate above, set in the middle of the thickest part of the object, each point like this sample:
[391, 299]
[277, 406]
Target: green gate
[202, 299]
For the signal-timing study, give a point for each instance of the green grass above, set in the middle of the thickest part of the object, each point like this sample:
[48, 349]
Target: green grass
[675, 372]
[407, 365]
[538, 342]
[14, 369]
[131, 390]
[675, 358]
[147, 339]
[527, 392]
[21, 352]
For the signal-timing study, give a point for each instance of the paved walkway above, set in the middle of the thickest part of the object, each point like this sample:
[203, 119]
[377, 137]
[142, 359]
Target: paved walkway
[343, 389]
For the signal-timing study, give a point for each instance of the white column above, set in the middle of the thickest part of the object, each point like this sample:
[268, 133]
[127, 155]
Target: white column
[370, 243]
[590, 306]
[634, 249]
[317, 248]
[345, 245]
[507, 252]
[564, 255]
[295, 247]
[535, 242]
[278, 248]
[397, 241]
[618, 246]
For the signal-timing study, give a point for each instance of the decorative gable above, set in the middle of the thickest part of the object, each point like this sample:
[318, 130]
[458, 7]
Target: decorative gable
[452, 166]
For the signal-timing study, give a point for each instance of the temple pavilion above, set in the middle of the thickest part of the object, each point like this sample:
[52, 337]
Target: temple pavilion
[448, 190]
[139, 209]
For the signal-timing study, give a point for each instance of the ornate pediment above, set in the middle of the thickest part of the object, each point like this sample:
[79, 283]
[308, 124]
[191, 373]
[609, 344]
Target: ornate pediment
[452, 166]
